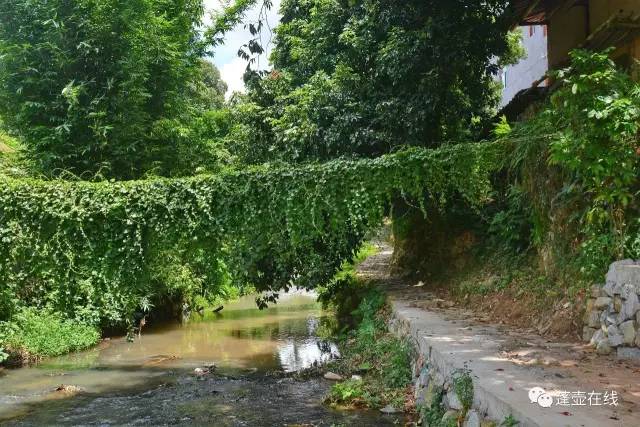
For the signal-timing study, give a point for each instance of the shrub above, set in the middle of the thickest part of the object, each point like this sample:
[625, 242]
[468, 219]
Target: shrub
[573, 181]
[33, 334]
[599, 107]
[511, 227]
[345, 288]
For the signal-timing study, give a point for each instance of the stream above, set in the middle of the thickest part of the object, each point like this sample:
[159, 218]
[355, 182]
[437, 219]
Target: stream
[161, 378]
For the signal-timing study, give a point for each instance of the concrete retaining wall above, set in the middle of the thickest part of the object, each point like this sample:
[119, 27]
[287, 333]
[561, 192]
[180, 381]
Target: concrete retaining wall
[447, 347]
[435, 370]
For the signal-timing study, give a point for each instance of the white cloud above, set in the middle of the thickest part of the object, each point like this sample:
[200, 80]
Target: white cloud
[226, 56]
[231, 73]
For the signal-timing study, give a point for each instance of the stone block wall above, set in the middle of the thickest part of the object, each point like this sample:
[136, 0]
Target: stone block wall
[432, 387]
[612, 317]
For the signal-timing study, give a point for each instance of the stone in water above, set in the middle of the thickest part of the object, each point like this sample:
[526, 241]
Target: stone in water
[390, 410]
[333, 377]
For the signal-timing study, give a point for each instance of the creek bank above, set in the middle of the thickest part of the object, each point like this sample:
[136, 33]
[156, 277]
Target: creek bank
[34, 334]
[374, 368]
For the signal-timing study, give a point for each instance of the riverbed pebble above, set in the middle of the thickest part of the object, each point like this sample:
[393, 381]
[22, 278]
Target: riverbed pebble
[390, 409]
[68, 389]
[333, 377]
[201, 371]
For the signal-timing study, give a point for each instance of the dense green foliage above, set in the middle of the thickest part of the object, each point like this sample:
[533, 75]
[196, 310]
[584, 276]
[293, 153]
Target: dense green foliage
[211, 87]
[99, 251]
[575, 169]
[433, 415]
[105, 87]
[379, 93]
[342, 293]
[362, 78]
[599, 109]
[33, 334]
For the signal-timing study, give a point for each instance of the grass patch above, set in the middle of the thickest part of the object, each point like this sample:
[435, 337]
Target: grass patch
[370, 351]
[497, 272]
[348, 269]
[509, 421]
[433, 415]
[33, 334]
[463, 387]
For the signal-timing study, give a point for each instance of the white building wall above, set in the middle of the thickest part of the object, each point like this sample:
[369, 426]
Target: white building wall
[521, 75]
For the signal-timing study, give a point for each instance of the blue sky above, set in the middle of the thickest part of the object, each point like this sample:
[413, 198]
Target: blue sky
[226, 59]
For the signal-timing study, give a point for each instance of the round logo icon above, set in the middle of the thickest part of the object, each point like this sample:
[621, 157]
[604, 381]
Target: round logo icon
[535, 393]
[545, 400]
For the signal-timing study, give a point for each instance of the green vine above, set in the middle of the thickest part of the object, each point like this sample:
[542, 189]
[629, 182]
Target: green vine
[94, 250]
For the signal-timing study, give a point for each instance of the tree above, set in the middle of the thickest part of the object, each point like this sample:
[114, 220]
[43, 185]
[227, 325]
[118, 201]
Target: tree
[211, 88]
[361, 78]
[89, 84]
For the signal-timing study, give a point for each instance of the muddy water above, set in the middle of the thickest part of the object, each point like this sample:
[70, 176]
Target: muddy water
[153, 380]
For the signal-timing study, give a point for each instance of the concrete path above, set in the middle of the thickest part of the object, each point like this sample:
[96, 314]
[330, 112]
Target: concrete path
[451, 339]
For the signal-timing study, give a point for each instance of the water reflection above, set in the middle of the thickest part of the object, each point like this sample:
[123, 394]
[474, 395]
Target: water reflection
[282, 337]
[299, 354]
[296, 355]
